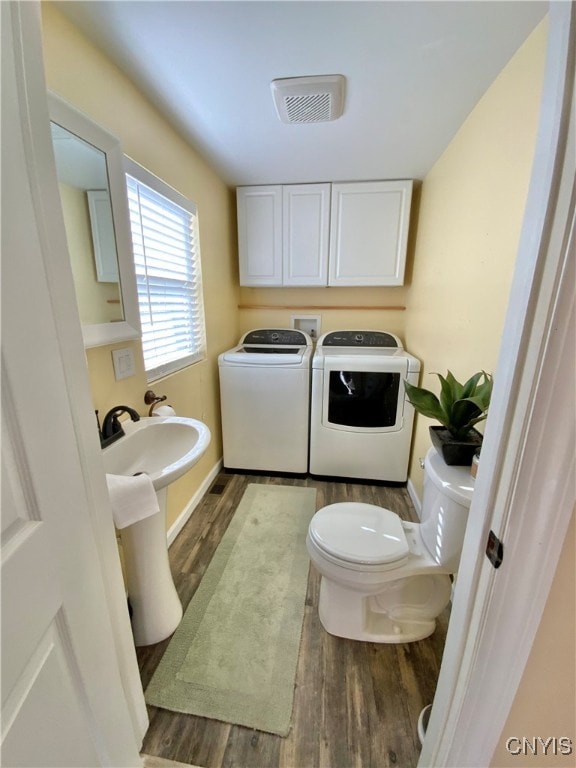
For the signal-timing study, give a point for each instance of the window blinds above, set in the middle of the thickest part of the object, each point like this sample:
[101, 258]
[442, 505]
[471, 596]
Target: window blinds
[168, 276]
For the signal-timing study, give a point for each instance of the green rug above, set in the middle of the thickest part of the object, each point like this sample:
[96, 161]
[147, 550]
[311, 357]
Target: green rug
[234, 655]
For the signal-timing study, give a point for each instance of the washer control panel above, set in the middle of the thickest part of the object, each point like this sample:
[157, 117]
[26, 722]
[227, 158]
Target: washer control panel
[276, 336]
[361, 339]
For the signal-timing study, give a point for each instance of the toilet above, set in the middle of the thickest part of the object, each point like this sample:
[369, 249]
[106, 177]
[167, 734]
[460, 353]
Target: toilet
[385, 580]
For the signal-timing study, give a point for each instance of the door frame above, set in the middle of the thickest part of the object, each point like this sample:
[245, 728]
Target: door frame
[529, 439]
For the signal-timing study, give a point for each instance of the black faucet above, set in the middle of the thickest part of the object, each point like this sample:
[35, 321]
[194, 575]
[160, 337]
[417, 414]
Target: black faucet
[111, 426]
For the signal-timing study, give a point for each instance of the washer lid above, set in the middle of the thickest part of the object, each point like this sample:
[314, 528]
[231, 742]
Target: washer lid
[359, 533]
[267, 356]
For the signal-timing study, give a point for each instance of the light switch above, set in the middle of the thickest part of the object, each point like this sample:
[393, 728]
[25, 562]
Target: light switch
[123, 363]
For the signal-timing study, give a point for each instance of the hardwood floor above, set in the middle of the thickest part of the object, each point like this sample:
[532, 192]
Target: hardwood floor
[356, 704]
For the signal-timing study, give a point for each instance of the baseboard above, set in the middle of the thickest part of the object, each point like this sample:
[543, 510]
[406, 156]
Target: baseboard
[415, 498]
[184, 516]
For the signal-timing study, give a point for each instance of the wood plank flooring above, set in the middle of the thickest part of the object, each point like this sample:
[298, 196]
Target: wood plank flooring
[356, 704]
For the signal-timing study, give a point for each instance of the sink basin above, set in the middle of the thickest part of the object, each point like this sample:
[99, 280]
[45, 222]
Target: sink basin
[162, 447]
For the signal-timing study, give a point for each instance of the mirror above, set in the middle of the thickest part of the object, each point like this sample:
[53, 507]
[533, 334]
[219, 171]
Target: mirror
[89, 166]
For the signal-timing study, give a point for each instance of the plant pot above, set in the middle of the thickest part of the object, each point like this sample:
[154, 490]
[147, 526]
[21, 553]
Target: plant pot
[455, 452]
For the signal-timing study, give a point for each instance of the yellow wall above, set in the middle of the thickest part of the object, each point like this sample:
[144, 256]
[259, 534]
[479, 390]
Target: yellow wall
[312, 301]
[471, 210]
[84, 77]
[545, 701]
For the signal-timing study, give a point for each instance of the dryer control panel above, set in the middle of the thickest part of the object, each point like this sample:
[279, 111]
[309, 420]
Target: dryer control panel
[361, 339]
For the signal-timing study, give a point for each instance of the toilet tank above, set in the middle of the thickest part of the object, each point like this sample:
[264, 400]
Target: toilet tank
[447, 496]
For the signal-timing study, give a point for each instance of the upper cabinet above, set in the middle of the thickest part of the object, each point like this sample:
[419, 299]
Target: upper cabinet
[369, 232]
[283, 234]
[347, 234]
[260, 235]
[305, 232]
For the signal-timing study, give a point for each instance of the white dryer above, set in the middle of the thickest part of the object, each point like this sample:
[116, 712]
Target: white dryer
[361, 421]
[265, 401]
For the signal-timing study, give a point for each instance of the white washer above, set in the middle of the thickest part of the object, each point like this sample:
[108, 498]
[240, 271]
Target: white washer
[361, 422]
[265, 401]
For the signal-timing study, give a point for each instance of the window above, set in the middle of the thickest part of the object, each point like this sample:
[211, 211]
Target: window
[166, 249]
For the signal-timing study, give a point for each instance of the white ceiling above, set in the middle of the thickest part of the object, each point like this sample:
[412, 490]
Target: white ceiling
[414, 71]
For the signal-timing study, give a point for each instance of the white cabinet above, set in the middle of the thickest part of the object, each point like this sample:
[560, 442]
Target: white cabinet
[103, 239]
[283, 234]
[260, 235]
[369, 232]
[346, 234]
[305, 228]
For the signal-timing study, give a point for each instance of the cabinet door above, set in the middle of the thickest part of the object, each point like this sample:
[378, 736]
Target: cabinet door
[306, 228]
[103, 240]
[369, 232]
[260, 235]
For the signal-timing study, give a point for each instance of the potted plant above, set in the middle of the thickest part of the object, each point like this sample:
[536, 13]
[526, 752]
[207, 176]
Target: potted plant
[458, 409]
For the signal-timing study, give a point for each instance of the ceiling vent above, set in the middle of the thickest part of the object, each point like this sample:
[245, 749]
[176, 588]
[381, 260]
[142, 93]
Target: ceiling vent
[309, 99]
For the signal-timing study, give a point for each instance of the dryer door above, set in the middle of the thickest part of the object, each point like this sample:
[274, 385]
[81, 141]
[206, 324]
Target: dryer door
[364, 395]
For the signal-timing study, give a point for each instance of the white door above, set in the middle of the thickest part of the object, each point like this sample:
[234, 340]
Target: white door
[63, 703]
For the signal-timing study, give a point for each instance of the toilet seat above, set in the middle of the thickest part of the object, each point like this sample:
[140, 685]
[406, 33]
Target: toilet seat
[361, 537]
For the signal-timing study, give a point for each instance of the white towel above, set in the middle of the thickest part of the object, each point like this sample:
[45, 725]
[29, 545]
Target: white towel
[132, 498]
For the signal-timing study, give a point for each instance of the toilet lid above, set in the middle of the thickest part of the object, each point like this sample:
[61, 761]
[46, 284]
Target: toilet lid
[359, 533]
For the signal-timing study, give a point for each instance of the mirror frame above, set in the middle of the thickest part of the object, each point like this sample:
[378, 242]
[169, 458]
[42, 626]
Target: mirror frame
[82, 126]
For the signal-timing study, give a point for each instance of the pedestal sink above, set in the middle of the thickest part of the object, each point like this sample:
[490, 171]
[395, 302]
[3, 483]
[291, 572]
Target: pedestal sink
[165, 449]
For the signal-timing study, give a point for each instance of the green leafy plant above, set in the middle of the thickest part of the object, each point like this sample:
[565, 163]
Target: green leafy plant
[459, 407]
